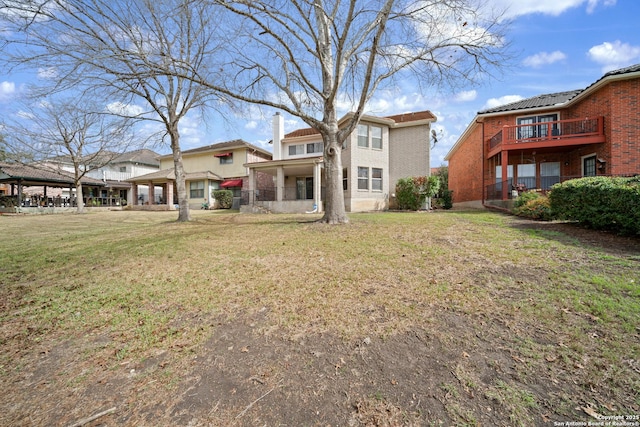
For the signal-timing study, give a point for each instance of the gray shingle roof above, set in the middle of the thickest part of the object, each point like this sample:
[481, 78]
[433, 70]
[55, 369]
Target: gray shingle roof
[546, 100]
[551, 99]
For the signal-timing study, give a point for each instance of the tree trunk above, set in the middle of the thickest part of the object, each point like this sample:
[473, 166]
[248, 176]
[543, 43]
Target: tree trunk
[181, 186]
[79, 199]
[334, 209]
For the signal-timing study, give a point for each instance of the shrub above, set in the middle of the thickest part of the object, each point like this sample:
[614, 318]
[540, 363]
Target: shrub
[412, 192]
[447, 199]
[224, 198]
[525, 198]
[601, 203]
[537, 208]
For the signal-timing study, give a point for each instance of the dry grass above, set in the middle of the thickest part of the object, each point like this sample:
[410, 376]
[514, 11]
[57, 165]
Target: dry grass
[152, 285]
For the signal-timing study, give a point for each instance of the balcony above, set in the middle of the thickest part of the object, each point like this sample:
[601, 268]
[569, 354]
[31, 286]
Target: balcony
[541, 135]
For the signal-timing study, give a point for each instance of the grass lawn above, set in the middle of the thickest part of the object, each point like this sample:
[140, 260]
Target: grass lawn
[442, 318]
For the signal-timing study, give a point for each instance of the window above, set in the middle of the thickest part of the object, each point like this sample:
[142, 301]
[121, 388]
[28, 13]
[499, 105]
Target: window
[549, 174]
[123, 168]
[376, 137]
[363, 136]
[345, 182]
[363, 178]
[499, 176]
[295, 150]
[226, 160]
[196, 189]
[527, 175]
[304, 188]
[376, 179]
[589, 166]
[538, 129]
[315, 147]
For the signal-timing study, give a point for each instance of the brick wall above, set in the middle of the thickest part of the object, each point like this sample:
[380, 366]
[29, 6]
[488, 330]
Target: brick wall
[465, 168]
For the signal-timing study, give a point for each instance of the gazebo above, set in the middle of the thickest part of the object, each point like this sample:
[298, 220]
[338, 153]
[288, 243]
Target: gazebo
[18, 176]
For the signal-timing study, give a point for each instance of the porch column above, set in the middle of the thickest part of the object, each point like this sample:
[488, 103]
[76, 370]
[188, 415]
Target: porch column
[19, 192]
[133, 194]
[317, 185]
[152, 192]
[252, 186]
[169, 197]
[279, 183]
[504, 156]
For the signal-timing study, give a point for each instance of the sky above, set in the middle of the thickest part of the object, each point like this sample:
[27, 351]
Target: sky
[558, 45]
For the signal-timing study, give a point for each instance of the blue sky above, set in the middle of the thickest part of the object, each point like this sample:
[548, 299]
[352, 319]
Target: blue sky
[559, 45]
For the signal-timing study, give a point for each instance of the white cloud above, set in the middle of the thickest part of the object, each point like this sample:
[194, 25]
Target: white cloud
[47, 73]
[251, 125]
[507, 99]
[543, 58]
[125, 109]
[466, 96]
[614, 55]
[547, 7]
[7, 90]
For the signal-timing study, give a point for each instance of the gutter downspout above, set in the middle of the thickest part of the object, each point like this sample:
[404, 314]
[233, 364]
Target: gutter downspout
[483, 160]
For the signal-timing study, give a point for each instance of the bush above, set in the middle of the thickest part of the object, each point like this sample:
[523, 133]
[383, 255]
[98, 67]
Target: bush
[525, 198]
[601, 203]
[224, 198]
[537, 208]
[412, 192]
[447, 198]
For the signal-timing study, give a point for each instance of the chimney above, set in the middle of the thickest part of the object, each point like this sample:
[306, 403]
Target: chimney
[278, 135]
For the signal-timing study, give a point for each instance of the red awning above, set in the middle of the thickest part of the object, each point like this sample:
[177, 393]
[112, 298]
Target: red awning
[222, 154]
[231, 183]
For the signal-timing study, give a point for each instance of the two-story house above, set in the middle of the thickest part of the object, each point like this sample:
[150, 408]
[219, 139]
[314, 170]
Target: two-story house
[380, 151]
[207, 168]
[540, 141]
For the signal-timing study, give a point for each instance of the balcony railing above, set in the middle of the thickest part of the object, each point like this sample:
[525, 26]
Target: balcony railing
[556, 133]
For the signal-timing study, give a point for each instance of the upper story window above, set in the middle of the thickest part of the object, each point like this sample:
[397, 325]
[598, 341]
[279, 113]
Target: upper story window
[315, 147]
[376, 137]
[123, 168]
[363, 136]
[538, 128]
[295, 150]
[226, 159]
[370, 136]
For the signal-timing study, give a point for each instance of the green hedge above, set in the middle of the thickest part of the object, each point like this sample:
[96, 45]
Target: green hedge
[601, 203]
[224, 198]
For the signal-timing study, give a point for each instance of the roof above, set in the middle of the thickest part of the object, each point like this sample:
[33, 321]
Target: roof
[40, 176]
[546, 100]
[398, 118]
[170, 175]
[143, 156]
[236, 143]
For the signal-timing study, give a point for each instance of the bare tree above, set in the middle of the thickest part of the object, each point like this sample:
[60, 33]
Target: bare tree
[307, 56]
[59, 132]
[126, 49]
